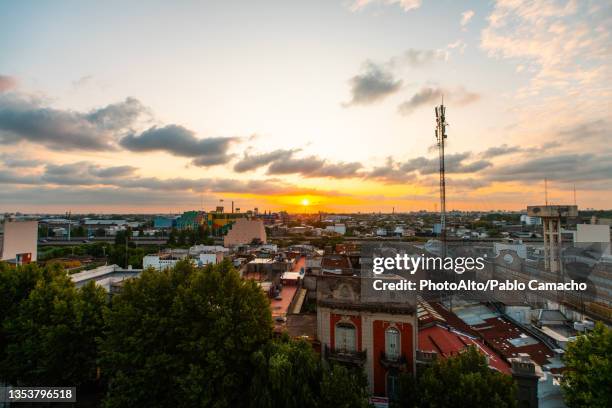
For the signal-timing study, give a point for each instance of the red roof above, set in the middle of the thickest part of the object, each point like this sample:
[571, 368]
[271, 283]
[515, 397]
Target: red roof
[448, 342]
[498, 332]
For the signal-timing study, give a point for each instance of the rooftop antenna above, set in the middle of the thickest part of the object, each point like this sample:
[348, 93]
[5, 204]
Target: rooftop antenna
[546, 191]
[575, 194]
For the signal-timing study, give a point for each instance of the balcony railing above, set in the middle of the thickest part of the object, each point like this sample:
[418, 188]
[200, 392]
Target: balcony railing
[345, 356]
[389, 361]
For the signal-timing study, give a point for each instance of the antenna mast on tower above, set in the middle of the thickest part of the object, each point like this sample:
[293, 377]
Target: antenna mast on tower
[440, 138]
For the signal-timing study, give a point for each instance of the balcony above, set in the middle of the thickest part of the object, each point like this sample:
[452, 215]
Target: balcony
[399, 362]
[345, 356]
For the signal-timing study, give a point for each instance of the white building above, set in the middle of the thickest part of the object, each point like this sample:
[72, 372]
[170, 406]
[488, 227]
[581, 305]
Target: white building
[596, 236]
[19, 241]
[529, 220]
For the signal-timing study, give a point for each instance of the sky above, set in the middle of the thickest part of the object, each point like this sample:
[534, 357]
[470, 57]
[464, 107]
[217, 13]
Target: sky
[303, 106]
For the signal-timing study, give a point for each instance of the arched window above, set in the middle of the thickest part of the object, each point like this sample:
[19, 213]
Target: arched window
[345, 337]
[392, 343]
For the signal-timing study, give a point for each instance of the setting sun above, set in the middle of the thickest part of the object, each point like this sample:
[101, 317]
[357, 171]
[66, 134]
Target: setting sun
[305, 202]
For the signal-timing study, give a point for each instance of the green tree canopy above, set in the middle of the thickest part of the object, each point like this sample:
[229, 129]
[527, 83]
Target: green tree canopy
[49, 332]
[587, 382]
[465, 381]
[289, 374]
[184, 337]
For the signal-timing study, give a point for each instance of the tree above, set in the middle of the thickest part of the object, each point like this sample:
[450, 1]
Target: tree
[465, 381]
[343, 387]
[50, 335]
[290, 374]
[587, 380]
[184, 337]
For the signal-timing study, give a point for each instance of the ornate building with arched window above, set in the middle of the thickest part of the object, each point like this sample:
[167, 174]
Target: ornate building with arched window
[378, 336]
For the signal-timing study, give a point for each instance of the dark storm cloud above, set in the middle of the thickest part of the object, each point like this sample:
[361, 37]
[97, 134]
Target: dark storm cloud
[7, 83]
[373, 85]
[27, 119]
[180, 141]
[254, 161]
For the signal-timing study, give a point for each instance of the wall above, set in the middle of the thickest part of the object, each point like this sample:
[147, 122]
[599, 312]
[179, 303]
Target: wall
[20, 237]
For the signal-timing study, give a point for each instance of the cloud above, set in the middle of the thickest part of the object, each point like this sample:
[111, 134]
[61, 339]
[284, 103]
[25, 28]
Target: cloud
[12, 177]
[406, 5]
[180, 141]
[453, 163]
[254, 161]
[565, 44]
[7, 83]
[337, 170]
[431, 96]
[567, 168]
[597, 131]
[10, 160]
[426, 96]
[118, 116]
[83, 173]
[282, 162]
[390, 173]
[416, 58]
[82, 81]
[458, 45]
[500, 151]
[26, 119]
[304, 165]
[466, 17]
[373, 85]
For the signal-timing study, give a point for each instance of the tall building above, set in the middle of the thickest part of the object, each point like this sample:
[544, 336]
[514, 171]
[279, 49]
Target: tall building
[19, 241]
[552, 215]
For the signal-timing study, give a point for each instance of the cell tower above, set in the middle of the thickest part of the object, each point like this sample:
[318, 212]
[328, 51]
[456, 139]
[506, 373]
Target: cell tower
[440, 136]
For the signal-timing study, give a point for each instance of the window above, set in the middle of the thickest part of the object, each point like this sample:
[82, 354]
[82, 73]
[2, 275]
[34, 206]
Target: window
[392, 343]
[345, 338]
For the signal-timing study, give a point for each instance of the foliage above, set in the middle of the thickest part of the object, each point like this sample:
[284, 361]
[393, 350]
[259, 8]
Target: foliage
[49, 330]
[588, 378]
[465, 381]
[290, 374]
[184, 337]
